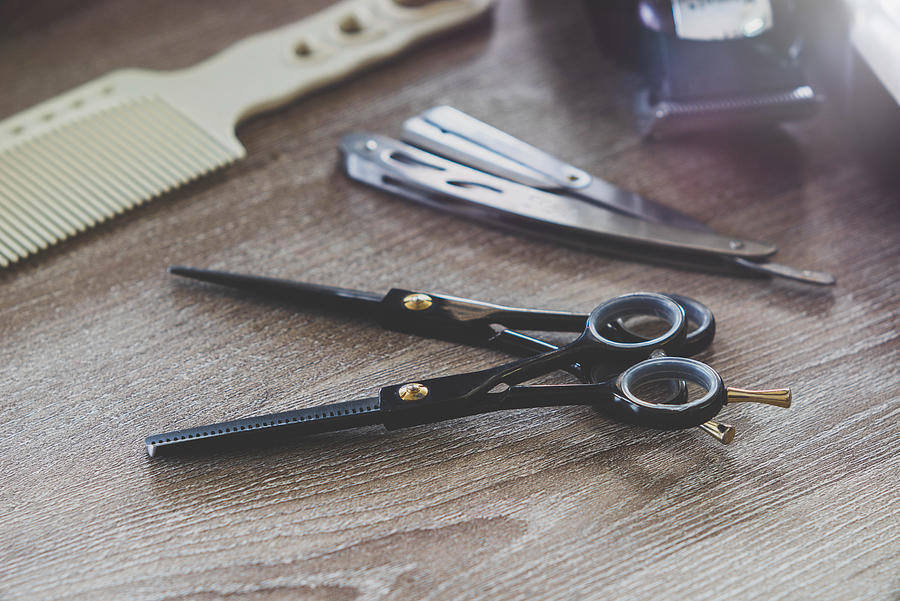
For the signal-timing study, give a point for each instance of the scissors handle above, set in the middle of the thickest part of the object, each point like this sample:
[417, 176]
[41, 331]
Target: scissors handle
[517, 343]
[701, 327]
[620, 398]
[463, 391]
[440, 399]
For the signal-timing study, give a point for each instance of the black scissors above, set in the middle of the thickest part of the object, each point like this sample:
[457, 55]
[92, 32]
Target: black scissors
[614, 363]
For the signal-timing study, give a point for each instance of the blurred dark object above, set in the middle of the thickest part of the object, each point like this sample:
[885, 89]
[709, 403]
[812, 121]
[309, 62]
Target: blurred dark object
[709, 63]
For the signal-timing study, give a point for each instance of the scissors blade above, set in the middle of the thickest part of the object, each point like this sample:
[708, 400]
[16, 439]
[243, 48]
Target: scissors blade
[269, 428]
[462, 138]
[329, 297]
[423, 313]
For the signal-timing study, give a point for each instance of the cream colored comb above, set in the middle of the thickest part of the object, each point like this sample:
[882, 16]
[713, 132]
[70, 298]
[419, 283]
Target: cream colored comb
[89, 154]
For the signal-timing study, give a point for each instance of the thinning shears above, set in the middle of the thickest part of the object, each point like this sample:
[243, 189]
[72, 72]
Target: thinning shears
[617, 366]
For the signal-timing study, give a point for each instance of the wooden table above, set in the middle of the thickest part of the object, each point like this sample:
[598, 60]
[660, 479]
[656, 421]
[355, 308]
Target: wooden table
[100, 347]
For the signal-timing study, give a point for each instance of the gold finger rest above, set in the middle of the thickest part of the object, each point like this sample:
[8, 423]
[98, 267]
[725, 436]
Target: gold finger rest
[724, 433]
[779, 397]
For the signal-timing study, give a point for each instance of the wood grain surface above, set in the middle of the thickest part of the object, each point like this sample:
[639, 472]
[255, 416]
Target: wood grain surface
[100, 347]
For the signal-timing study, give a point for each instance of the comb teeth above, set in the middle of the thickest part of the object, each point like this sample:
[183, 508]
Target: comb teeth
[64, 181]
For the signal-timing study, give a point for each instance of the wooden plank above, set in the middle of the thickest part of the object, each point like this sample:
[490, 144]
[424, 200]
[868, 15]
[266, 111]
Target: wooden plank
[101, 347]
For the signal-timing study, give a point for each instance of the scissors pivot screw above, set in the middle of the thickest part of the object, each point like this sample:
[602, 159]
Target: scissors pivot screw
[413, 391]
[780, 397]
[417, 301]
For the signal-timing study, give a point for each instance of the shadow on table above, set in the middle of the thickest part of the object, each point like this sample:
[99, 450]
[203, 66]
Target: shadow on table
[531, 454]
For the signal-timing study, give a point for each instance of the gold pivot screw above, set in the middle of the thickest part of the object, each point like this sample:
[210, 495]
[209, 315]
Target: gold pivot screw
[413, 391]
[417, 301]
[721, 432]
[780, 397]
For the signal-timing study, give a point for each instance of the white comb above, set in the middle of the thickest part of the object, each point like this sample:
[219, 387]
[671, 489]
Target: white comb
[89, 154]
